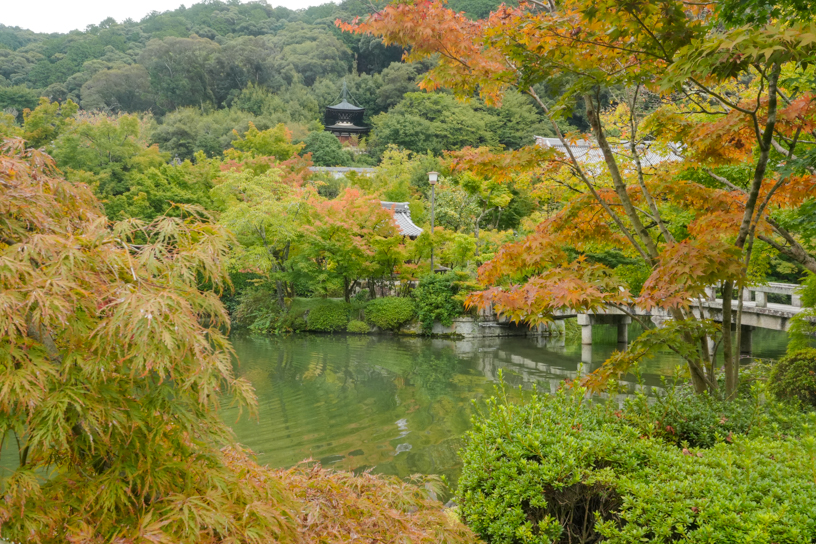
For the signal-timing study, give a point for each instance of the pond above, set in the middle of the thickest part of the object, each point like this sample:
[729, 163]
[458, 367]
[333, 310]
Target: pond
[401, 405]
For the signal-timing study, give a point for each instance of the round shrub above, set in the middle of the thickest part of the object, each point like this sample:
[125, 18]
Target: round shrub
[328, 318]
[563, 469]
[390, 313]
[794, 377]
[357, 327]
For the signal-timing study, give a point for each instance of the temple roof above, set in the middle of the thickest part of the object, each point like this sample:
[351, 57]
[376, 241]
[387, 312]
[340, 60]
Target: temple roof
[589, 153]
[402, 217]
[345, 105]
[346, 127]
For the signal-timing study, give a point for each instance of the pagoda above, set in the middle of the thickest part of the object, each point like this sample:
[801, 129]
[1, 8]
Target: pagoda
[344, 119]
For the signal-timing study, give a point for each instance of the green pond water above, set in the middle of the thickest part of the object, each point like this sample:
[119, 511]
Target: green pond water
[402, 405]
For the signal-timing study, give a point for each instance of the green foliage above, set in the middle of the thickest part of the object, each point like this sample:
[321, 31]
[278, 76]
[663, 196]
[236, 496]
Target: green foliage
[8, 127]
[435, 300]
[390, 313]
[572, 331]
[266, 213]
[476, 9]
[105, 150]
[326, 149]
[685, 419]
[563, 469]
[803, 325]
[801, 220]
[294, 320]
[18, 98]
[742, 12]
[634, 275]
[257, 309]
[358, 327]
[154, 192]
[793, 378]
[178, 69]
[274, 142]
[424, 122]
[126, 89]
[48, 120]
[329, 316]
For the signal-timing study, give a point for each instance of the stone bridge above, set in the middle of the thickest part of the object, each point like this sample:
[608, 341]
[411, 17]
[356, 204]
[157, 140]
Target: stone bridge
[757, 312]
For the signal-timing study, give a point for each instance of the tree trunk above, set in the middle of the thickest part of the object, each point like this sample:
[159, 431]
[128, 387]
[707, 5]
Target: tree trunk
[617, 179]
[281, 290]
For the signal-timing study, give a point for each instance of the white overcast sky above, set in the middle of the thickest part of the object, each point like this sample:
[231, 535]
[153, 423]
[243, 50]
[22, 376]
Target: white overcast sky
[65, 15]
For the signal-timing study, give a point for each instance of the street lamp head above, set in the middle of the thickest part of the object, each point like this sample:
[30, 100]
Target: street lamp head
[432, 177]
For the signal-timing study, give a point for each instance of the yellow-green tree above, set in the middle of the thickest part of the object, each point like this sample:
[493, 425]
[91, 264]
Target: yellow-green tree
[113, 364]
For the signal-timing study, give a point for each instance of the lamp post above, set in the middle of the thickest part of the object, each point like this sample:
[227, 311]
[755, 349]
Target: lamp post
[432, 177]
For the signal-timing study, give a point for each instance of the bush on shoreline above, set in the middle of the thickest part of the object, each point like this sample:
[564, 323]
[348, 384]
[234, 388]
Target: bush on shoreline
[390, 313]
[358, 327]
[436, 300]
[333, 317]
[562, 469]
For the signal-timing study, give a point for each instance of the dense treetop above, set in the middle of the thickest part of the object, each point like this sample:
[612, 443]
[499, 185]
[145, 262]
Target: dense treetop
[202, 72]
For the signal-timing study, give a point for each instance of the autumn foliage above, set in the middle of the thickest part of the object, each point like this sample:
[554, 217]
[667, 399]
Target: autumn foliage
[114, 363]
[671, 95]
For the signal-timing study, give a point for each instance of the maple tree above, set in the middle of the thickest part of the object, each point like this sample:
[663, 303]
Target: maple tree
[351, 238]
[114, 364]
[266, 212]
[721, 100]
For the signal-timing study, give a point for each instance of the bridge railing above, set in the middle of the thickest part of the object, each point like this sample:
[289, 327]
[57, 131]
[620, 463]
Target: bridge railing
[759, 293]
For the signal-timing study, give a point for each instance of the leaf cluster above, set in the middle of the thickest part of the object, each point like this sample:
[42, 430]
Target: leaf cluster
[560, 468]
[436, 300]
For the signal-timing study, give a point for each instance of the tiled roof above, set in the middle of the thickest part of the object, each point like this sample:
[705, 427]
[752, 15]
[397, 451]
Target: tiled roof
[345, 105]
[402, 217]
[589, 153]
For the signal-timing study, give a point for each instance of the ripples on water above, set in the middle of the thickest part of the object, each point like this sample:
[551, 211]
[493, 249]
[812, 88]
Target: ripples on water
[401, 405]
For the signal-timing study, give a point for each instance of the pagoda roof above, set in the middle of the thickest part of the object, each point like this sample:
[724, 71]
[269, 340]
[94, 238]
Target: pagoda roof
[346, 127]
[402, 217]
[345, 105]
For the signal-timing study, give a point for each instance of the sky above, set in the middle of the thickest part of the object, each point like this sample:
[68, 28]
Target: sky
[64, 16]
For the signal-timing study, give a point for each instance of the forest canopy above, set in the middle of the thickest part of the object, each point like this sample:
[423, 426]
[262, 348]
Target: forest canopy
[202, 72]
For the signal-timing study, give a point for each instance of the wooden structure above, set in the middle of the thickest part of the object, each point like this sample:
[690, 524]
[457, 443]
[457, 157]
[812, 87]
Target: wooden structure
[344, 119]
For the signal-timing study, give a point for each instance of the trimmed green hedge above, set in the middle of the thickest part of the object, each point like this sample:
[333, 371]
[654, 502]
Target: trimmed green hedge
[358, 327]
[559, 467]
[794, 377]
[328, 317]
[390, 313]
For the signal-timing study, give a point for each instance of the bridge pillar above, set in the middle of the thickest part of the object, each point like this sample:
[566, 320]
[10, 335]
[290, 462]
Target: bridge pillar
[761, 299]
[711, 293]
[746, 295]
[585, 367]
[586, 328]
[623, 329]
[796, 301]
[746, 340]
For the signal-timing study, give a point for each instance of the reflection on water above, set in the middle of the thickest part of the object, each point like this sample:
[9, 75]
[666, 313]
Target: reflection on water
[402, 405]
